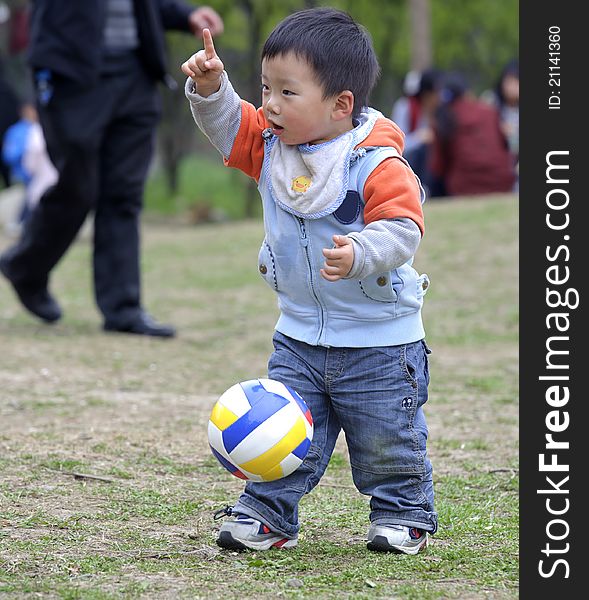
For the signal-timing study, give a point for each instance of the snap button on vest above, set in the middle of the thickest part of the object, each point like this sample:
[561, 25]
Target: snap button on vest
[382, 281]
[263, 269]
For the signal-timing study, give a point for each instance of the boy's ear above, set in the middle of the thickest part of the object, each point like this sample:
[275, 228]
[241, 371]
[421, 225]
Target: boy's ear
[343, 105]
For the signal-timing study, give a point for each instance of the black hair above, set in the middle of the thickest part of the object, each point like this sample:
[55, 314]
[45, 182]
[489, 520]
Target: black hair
[454, 87]
[338, 49]
[429, 81]
[511, 68]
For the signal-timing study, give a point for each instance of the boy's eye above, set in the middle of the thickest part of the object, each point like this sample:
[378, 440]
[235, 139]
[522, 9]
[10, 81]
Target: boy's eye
[288, 93]
[265, 88]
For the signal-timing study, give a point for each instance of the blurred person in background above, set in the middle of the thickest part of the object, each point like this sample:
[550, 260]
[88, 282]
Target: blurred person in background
[505, 98]
[15, 87]
[9, 115]
[14, 47]
[96, 66]
[470, 151]
[25, 153]
[413, 113]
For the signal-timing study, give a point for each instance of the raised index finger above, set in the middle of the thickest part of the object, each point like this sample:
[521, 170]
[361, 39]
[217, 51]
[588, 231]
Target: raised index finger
[208, 42]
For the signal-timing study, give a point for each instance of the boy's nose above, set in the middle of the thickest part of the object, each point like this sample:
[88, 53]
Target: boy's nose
[272, 107]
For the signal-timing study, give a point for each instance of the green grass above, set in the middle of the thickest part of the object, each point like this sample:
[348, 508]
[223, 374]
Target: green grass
[132, 413]
[203, 183]
[475, 550]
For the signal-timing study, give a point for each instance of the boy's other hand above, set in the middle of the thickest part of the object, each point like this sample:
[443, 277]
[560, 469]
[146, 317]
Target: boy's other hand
[339, 259]
[205, 67]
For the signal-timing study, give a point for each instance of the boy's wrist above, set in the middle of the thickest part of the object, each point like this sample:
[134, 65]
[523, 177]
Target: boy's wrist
[359, 259]
[205, 92]
[208, 89]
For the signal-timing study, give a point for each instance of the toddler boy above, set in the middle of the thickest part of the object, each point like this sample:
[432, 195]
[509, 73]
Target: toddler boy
[343, 219]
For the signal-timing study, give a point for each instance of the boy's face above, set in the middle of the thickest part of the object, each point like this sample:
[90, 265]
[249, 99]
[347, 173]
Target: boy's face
[293, 103]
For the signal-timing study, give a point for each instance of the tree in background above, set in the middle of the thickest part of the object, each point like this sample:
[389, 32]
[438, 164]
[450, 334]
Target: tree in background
[421, 37]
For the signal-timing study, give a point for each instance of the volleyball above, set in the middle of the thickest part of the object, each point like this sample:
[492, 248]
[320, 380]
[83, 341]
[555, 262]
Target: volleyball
[260, 430]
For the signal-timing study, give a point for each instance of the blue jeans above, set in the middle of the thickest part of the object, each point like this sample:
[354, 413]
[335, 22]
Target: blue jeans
[376, 396]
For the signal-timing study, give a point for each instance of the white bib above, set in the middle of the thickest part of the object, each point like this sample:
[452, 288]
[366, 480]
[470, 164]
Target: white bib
[311, 181]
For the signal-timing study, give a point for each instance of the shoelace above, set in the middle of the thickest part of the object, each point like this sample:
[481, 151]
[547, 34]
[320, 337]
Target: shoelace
[227, 511]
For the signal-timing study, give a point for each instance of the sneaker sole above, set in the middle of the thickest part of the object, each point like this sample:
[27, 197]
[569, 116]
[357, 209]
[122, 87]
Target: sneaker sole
[380, 544]
[227, 541]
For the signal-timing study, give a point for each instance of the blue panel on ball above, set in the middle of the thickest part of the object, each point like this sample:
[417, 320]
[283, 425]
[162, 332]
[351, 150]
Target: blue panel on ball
[298, 398]
[264, 404]
[301, 450]
[224, 462]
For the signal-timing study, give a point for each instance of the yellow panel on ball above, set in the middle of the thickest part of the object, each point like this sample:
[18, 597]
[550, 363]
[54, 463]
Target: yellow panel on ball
[266, 462]
[222, 417]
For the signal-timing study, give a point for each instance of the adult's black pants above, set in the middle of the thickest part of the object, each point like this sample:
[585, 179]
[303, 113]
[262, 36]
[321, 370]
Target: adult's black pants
[100, 138]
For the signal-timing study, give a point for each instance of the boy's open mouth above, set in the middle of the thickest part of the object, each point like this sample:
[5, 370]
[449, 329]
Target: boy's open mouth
[276, 129]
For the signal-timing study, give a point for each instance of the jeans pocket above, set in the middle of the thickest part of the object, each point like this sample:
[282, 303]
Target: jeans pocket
[391, 445]
[426, 353]
[409, 363]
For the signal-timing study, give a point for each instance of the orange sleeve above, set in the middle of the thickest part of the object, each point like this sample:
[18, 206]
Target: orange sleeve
[392, 192]
[247, 153]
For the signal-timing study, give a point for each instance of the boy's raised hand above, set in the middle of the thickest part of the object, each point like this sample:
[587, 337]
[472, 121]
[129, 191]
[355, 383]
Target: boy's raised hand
[205, 67]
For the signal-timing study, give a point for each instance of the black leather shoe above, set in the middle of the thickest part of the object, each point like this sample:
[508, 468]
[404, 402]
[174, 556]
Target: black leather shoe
[144, 324]
[37, 300]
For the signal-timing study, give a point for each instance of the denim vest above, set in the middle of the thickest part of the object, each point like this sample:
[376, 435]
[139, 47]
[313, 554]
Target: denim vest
[383, 309]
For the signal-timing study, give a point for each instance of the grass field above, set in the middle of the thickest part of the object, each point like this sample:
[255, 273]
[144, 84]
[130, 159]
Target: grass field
[107, 486]
[206, 191]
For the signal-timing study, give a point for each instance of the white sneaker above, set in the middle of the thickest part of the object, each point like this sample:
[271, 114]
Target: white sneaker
[243, 532]
[397, 538]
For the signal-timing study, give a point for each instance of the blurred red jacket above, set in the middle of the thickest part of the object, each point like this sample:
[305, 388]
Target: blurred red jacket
[474, 159]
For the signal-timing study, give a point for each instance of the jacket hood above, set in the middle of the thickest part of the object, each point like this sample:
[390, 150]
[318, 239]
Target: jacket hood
[375, 129]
